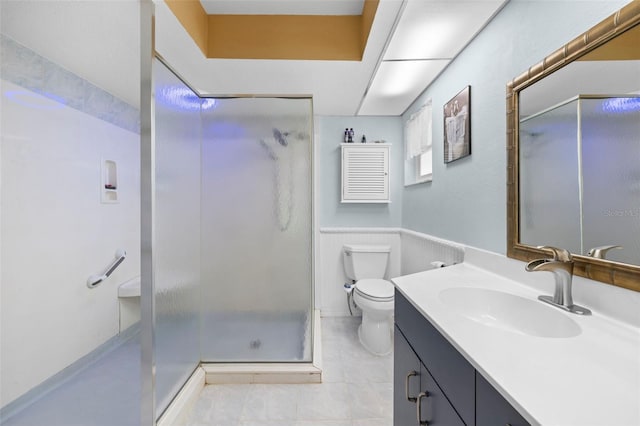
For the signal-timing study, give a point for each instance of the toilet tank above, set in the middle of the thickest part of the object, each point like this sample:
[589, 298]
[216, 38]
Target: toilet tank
[365, 261]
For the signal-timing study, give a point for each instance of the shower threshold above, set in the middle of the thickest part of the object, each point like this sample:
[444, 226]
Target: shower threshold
[272, 372]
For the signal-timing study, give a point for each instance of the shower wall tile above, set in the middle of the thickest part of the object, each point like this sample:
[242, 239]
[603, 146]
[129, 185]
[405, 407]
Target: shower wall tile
[31, 71]
[69, 86]
[21, 65]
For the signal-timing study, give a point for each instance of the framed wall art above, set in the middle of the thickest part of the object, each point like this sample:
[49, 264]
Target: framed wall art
[457, 126]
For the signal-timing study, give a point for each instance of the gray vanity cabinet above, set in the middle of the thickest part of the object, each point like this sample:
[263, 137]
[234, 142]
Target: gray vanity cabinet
[412, 379]
[458, 395]
[492, 409]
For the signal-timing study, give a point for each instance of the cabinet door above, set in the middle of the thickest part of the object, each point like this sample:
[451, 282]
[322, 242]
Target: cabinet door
[365, 173]
[492, 409]
[434, 406]
[411, 379]
[453, 373]
[406, 380]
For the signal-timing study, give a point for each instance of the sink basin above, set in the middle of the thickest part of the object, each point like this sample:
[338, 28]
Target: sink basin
[509, 312]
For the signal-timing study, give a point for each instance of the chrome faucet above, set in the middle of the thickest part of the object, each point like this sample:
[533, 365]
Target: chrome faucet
[601, 252]
[561, 265]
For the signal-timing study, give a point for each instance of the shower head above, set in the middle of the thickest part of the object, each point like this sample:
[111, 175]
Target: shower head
[280, 137]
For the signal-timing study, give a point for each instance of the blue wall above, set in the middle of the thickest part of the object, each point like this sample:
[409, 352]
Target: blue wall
[467, 200]
[329, 134]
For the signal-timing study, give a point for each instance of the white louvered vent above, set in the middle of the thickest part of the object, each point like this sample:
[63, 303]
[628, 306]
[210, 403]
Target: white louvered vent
[365, 173]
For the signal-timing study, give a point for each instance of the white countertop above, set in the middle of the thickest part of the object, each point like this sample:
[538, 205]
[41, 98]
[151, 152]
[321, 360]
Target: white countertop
[590, 379]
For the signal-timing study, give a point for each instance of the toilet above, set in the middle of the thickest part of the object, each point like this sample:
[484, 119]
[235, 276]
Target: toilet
[367, 265]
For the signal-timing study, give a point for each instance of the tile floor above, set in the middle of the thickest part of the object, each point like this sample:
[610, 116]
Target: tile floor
[357, 390]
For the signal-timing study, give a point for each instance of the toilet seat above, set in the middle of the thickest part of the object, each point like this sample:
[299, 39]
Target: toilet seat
[376, 290]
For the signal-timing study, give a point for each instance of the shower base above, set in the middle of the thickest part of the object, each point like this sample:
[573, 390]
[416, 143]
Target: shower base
[266, 372]
[239, 337]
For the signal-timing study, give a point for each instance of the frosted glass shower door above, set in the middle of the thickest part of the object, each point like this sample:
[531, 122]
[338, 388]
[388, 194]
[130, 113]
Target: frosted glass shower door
[256, 230]
[177, 232]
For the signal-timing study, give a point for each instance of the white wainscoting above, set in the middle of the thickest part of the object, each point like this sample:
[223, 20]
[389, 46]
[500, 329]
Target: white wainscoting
[410, 252]
[419, 250]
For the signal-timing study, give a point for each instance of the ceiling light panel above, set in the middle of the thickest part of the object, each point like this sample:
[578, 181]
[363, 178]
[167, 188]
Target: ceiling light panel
[438, 29]
[397, 84]
[282, 7]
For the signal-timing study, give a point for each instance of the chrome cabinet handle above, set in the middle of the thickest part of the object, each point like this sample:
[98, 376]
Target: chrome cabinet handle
[419, 413]
[406, 386]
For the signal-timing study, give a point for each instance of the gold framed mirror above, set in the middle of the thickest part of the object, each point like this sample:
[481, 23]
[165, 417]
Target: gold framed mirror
[608, 44]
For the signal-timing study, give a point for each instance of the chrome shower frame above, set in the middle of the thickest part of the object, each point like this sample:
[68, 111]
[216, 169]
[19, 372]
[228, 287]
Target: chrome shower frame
[147, 209]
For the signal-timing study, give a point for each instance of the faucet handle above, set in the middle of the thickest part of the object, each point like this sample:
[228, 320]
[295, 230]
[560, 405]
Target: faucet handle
[559, 254]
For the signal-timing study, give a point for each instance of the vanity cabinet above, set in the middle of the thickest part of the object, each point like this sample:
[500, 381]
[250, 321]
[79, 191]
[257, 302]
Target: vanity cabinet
[411, 379]
[461, 396]
[492, 409]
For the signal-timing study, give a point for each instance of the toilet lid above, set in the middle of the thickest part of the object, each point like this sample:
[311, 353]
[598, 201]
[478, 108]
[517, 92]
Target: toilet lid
[380, 289]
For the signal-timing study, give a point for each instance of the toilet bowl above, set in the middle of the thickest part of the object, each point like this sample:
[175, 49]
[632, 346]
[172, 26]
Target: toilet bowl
[366, 265]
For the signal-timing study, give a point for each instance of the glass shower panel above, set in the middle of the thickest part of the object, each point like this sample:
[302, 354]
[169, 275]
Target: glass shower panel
[177, 232]
[549, 188]
[610, 158]
[256, 230]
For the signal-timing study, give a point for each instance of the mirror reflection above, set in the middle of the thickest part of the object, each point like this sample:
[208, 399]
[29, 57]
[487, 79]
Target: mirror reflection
[579, 154]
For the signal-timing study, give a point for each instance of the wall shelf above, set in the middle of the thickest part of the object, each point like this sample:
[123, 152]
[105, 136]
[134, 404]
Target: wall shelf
[109, 182]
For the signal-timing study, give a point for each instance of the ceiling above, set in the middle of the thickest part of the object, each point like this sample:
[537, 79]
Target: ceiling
[283, 7]
[409, 44]
[98, 40]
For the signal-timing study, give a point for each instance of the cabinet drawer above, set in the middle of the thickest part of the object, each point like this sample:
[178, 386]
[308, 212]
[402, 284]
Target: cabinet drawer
[454, 375]
[492, 409]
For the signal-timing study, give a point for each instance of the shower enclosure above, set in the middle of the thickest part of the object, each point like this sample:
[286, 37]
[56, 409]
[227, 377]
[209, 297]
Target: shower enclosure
[253, 167]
